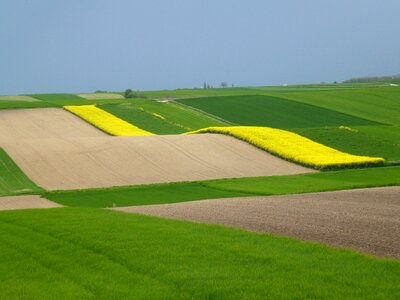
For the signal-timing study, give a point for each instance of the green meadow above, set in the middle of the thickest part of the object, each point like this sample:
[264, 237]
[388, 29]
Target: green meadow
[272, 111]
[81, 253]
[12, 180]
[223, 188]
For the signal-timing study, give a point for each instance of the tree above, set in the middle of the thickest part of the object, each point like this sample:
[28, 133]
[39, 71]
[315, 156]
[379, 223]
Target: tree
[223, 84]
[129, 93]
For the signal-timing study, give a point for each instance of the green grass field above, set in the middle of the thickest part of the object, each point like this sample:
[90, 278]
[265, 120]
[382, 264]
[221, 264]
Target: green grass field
[376, 104]
[57, 97]
[86, 252]
[143, 119]
[71, 253]
[172, 118]
[376, 141]
[272, 112]
[212, 189]
[12, 180]
[55, 100]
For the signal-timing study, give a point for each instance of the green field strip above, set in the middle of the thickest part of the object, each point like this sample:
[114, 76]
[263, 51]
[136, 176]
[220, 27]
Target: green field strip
[90, 253]
[143, 119]
[191, 108]
[223, 188]
[389, 133]
[22, 105]
[377, 104]
[167, 118]
[373, 141]
[139, 195]
[272, 112]
[57, 97]
[195, 93]
[12, 180]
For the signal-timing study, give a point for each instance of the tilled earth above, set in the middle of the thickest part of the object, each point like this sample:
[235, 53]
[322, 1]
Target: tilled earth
[25, 202]
[58, 150]
[367, 220]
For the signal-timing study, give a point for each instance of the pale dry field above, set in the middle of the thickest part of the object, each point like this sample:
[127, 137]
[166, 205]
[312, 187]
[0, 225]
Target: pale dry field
[99, 96]
[78, 163]
[366, 220]
[18, 98]
[25, 202]
[16, 124]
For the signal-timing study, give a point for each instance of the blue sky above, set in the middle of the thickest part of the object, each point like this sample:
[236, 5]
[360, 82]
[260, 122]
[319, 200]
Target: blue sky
[87, 45]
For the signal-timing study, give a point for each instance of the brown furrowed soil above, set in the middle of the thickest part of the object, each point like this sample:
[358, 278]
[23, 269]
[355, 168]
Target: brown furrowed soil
[25, 202]
[98, 96]
[367, 220]
[78, 163]
[18, 98]
[18, 124]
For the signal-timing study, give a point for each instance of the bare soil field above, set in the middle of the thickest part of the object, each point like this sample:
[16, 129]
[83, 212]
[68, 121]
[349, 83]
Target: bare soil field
[367, 220]
[78, 163]
[18, 124]
[99, 96]
[18, 98]
[25, 202]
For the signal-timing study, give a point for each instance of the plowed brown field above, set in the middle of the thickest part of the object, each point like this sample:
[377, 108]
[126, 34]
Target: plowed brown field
[77, 163]
[367, 220]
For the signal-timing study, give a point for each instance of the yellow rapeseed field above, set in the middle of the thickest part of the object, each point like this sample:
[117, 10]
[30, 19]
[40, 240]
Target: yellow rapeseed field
[286, 144]
[106, 121]
[294, 147]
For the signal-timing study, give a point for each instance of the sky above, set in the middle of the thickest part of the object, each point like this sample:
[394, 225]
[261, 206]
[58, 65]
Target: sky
[49, 46]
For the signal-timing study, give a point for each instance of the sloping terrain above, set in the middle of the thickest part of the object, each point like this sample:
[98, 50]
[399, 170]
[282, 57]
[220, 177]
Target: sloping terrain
[272, 111]
[12, 180]
[78, 253]
[377, 104]
[25, 202]
[365, 219]
[77, 163]
[18, 124]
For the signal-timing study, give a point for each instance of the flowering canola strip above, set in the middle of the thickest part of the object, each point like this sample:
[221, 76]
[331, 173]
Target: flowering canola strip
[106, 121]
[294, 147]
[286, 144]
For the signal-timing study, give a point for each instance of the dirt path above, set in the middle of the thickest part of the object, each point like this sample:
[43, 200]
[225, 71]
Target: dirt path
[16, 124]
[77, 163]
[367, 220]
[25, 202]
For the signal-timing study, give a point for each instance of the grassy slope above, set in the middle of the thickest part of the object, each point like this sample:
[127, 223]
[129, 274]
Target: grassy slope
[57, 97]
[175, 115]
[390, 133]
[70, 253]
[377, 141]
[25, 104]
[271, 111]
[377, 104]
[251, 90]
[12, 180]
[194, 93]
[189, 191]
[55, 103]
[145, 120]
[139, 195]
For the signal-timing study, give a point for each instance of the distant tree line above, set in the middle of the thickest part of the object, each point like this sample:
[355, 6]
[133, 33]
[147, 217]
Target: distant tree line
[223, 84]
[131, 94]
[373, 78]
